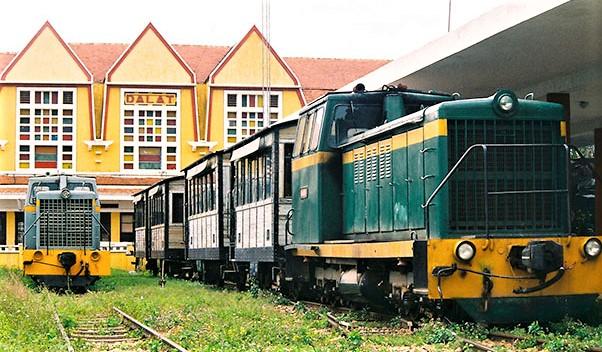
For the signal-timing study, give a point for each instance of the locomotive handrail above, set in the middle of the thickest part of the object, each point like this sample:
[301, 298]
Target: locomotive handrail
[484, 147]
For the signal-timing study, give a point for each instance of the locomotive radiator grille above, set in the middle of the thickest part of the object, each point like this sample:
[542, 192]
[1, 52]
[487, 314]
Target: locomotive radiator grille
[65, 223]
[521, 188]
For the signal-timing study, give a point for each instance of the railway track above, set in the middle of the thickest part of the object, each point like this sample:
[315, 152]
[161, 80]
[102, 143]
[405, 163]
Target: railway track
[106, 333]
[345, 327]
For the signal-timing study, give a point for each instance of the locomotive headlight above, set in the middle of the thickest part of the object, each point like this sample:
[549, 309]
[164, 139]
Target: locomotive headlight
[95, 256]
[506, 103]
[65, 193]
[465, 251]
[37, 256]
[592, 248]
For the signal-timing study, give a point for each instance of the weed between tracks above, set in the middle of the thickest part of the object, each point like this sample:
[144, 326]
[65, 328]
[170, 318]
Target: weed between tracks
[202, 318]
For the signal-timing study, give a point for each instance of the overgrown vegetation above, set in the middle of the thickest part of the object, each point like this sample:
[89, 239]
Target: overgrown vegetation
[202, 318]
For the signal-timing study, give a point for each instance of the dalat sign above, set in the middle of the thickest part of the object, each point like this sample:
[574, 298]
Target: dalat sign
[161, 99]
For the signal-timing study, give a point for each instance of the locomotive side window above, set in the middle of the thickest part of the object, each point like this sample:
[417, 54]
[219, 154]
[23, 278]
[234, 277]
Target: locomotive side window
[300, 132]
[308, 131]
[318, 118]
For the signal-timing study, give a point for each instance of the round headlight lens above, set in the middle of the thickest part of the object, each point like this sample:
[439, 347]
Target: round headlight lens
[95, 256]
[37, 256]
[592, 248]
[465, 251]
[506, 103]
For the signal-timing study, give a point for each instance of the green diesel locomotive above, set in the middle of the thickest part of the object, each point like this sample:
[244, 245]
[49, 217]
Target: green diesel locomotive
[418, 200]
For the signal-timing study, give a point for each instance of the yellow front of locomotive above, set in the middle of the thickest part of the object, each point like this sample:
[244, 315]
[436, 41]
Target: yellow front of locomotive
[62, 233]
[500, 280]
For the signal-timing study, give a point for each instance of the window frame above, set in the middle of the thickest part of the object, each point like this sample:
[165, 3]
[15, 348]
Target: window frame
[167, 140]
[238, 119]
[48, 121]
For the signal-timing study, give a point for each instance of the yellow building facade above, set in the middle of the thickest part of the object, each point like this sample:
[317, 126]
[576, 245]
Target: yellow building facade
[131, 115]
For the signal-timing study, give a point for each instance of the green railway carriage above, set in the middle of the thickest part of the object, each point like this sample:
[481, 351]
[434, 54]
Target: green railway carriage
[414, 200]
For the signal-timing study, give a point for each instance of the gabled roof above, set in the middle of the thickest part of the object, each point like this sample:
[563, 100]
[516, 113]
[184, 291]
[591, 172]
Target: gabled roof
[317, 76]
[150, 48]
[277, 66]
[55, 61]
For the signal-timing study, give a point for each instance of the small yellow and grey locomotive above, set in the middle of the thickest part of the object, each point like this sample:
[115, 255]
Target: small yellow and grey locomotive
[61, 242]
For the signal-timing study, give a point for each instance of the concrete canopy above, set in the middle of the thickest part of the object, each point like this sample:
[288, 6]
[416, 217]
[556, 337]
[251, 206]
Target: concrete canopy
[539, 47]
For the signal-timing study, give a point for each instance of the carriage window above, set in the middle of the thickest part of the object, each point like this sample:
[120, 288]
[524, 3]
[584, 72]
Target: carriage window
[212, 192]
[253, 172]
[140, 216]
[177, 208]
[241, 182]
[268, 173]
[156, 204]
[261, 194]
[288, 187]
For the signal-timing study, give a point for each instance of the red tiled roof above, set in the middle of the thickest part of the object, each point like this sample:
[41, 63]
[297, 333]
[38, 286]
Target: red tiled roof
[98, 58]
[202, 59]
[317, 76]
[5, 59]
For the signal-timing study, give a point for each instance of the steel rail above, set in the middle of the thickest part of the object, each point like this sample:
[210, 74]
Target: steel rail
[60, 325]
[150, 331]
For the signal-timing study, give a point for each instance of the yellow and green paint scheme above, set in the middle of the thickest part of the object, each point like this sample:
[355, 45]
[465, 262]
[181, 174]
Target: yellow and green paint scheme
[394, 194]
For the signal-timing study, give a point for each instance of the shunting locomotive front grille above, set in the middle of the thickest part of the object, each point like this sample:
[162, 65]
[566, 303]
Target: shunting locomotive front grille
[516, 186]
[65, 223]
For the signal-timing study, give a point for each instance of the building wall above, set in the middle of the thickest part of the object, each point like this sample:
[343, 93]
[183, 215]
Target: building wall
[148, 65]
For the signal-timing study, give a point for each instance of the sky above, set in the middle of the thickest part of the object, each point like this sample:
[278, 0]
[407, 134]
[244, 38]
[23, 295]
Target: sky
[376, 29]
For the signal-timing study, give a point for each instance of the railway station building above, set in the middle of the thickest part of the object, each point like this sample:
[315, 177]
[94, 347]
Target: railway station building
[132, 114]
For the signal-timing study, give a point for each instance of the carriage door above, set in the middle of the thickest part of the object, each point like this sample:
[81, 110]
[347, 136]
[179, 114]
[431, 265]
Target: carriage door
[416, 178]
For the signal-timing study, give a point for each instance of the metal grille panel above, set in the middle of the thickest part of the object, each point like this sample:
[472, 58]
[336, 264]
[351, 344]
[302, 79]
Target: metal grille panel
[507, 188]
[65, 223]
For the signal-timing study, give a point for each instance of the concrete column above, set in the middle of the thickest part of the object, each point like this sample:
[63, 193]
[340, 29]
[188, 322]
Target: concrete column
[115, 227]
[565, 100]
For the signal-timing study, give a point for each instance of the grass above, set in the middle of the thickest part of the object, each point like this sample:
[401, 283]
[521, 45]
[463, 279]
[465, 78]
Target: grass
[201, 318]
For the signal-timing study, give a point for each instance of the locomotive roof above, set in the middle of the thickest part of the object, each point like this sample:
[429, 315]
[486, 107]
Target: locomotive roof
[464, 109]
[39, 178]
[159, 183]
